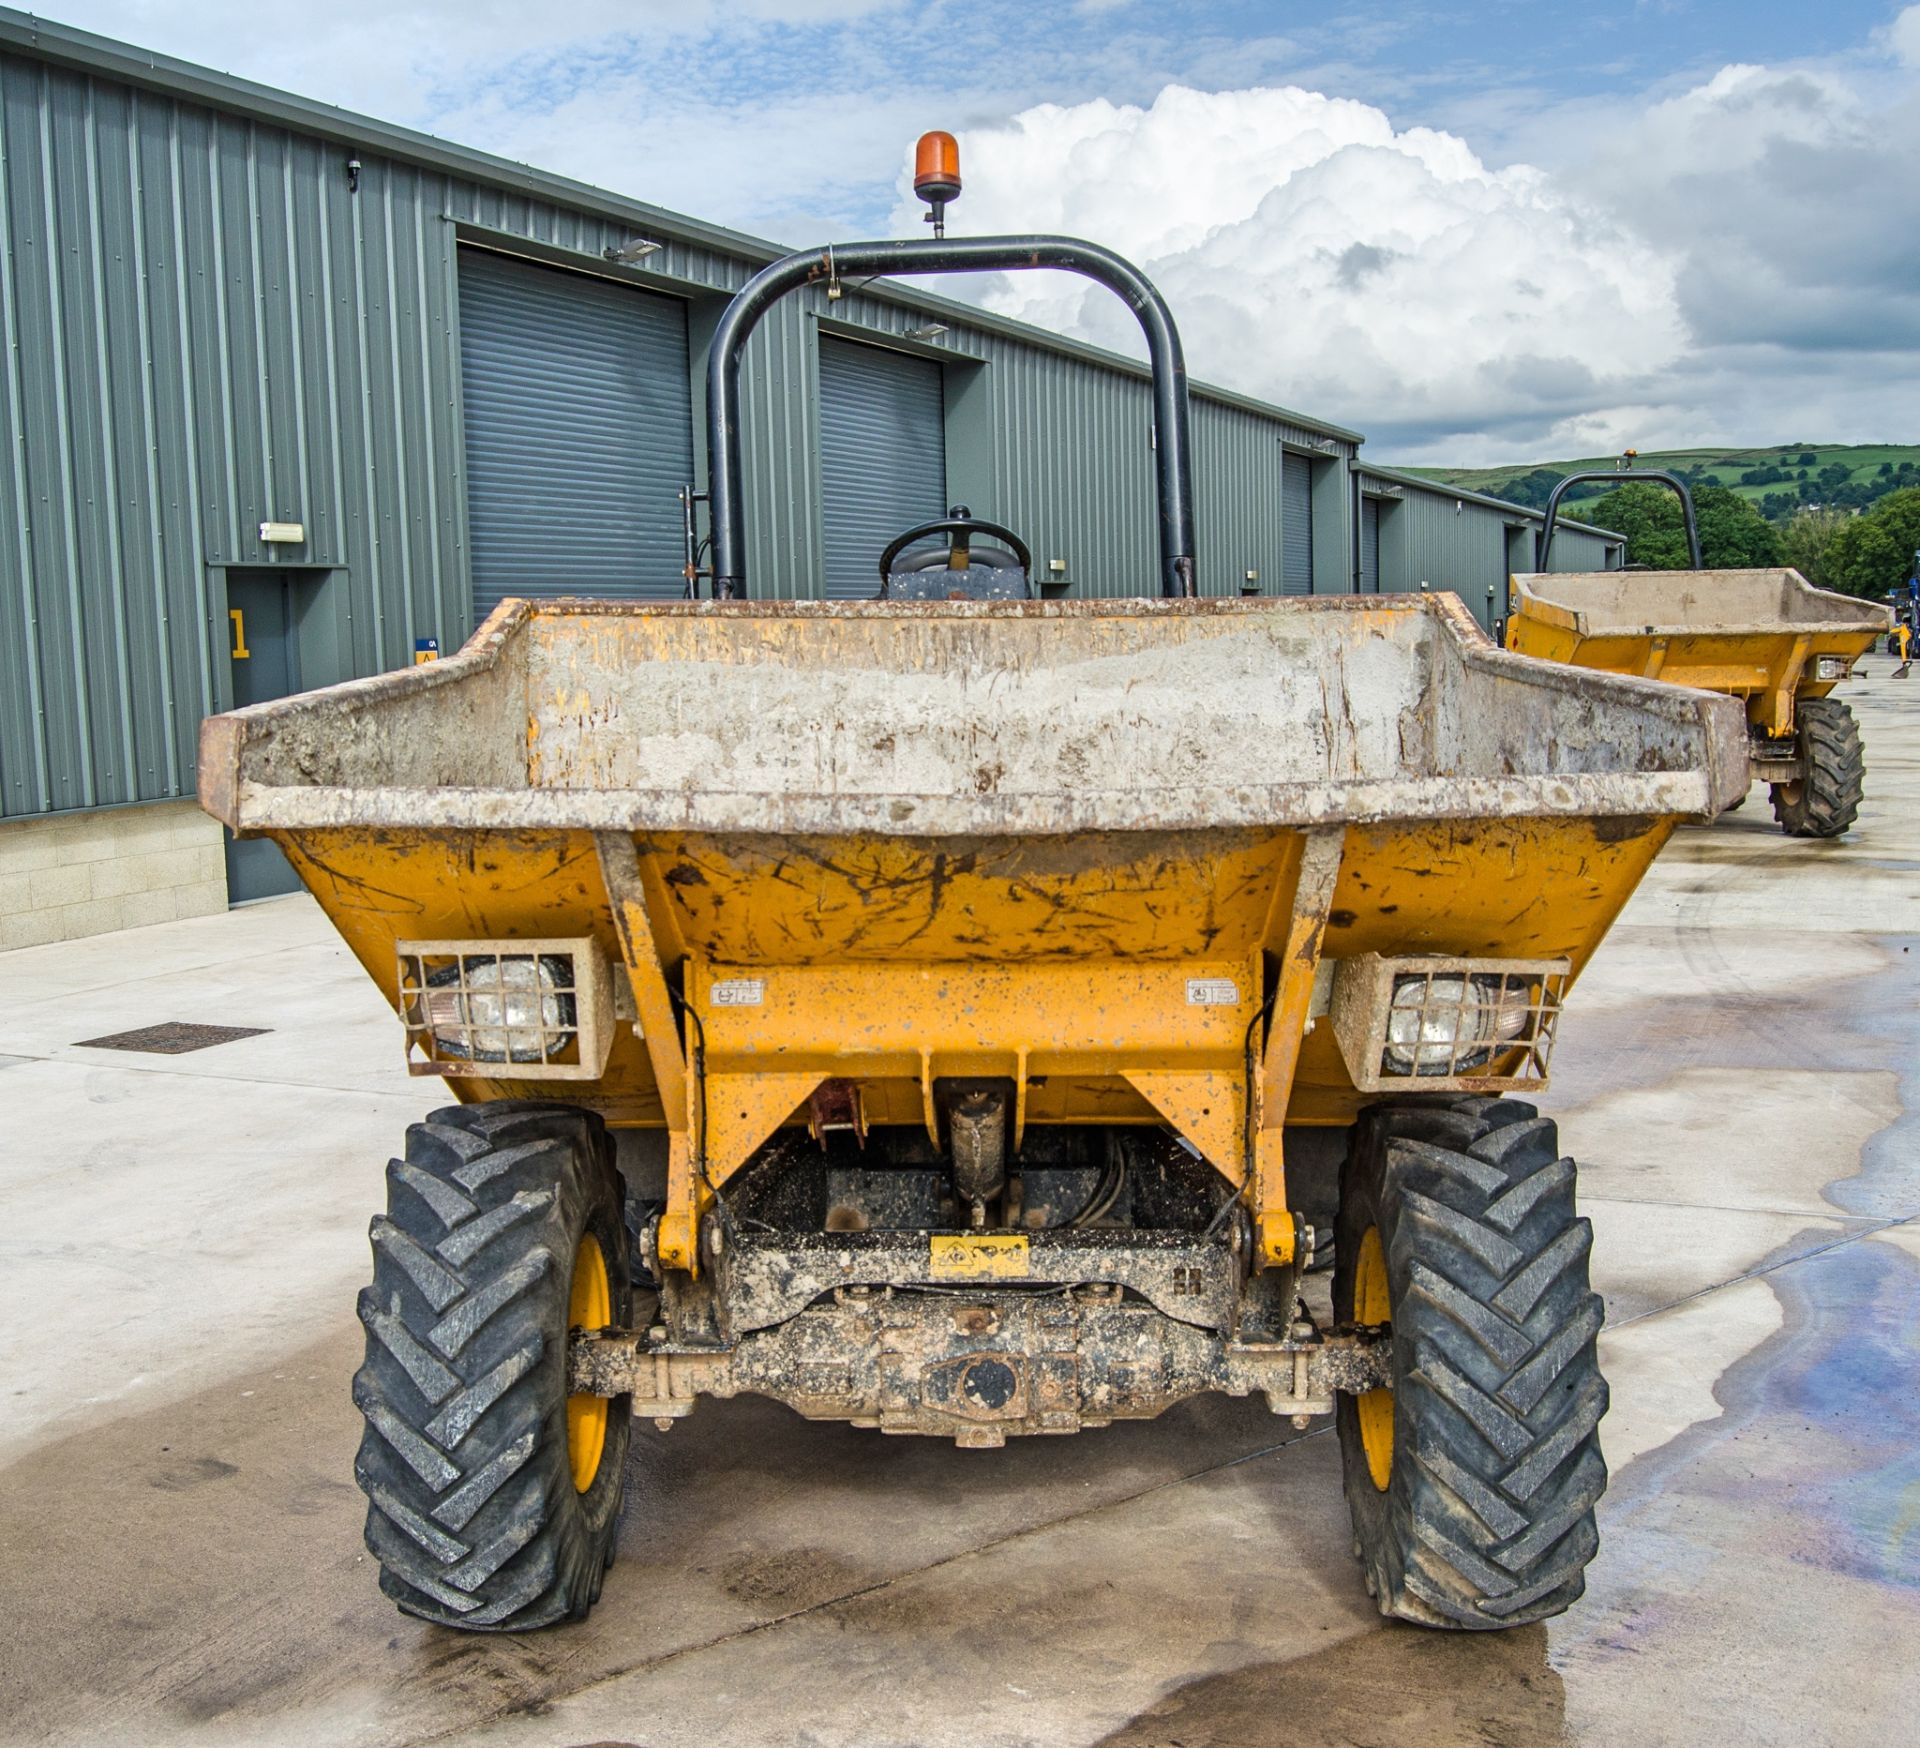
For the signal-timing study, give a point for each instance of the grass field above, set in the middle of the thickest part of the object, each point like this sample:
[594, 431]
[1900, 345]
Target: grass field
[1863, 462]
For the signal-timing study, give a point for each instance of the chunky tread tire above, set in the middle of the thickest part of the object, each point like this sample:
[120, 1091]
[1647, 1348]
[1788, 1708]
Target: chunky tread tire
[1826, 801]
[1487, 1517]
[472, 1511]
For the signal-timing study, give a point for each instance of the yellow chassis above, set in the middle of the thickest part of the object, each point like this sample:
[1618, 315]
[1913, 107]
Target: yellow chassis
[885, 967]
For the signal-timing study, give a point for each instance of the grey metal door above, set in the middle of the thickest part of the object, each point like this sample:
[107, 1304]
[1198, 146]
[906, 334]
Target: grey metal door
[260, 628]
[1296, 525]
[883, 456]
[579, 427]
[1369, 546]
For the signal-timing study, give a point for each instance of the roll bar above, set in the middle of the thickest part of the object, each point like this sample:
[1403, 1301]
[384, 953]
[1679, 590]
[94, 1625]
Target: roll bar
[1620, 476]
[1172, 451]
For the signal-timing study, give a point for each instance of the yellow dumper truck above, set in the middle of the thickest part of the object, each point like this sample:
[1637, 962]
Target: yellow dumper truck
[910, 1010]
[1767, 637]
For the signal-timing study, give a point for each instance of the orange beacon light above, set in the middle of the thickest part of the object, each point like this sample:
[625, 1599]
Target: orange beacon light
[936, 175]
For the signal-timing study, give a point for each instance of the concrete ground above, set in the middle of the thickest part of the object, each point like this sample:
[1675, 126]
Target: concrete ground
[181, 1239]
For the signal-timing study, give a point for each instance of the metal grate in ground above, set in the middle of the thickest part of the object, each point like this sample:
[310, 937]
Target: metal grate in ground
[173, 1038]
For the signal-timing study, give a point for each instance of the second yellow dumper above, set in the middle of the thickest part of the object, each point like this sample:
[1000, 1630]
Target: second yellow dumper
[1767, 637]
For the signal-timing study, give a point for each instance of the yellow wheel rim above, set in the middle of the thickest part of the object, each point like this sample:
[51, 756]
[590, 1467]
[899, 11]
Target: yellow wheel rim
[589, 1306]
[1373, 1304]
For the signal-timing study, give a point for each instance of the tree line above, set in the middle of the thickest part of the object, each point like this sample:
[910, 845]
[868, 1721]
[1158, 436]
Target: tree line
[1802, 481]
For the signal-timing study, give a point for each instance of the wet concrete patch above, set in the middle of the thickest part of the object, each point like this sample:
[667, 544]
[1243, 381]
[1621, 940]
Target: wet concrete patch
[792, 1578]
[1056, 1634]
[1774, 1547]
[1401, 1684]
[1650, 1255]
[1845, 1494]
[1888, 1012]
[212, 1581]
[1662, 1000]
[1701, 1137]
[187, 1577]
[1664, 1371]
[1762, 1534]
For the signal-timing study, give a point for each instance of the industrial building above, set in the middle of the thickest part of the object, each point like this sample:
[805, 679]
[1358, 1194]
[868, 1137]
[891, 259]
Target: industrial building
[298, 396]
[1415, 533]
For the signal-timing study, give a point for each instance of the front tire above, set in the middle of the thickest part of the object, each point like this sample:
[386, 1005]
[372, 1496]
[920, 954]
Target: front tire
[1472, 1481]
[1825, 802]
[492, 1494]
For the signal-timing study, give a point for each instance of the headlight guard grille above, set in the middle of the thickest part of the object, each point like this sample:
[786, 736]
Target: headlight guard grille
[1434, 1024]
[505, 1010]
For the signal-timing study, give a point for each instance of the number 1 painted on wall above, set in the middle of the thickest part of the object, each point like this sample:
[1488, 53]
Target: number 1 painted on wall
[240, 651]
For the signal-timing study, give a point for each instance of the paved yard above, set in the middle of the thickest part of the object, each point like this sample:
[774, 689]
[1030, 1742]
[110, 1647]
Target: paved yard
[181, 1239]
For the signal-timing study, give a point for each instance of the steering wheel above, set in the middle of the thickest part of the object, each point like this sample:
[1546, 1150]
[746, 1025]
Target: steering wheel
[961, 525]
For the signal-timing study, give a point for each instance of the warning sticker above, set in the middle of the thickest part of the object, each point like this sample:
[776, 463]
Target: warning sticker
[739, 992]
[977, 1256]
[1212, 992]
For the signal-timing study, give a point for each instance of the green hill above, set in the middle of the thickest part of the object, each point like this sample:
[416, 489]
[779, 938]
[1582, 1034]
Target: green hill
[1776, 480]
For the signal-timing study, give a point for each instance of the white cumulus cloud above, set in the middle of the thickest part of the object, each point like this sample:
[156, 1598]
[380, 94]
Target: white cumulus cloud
[1903, 36]
[1787, 195]
[1318, 256]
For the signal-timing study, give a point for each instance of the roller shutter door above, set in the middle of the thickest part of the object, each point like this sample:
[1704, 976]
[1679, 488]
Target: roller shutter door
[579, 427]
[1369, 546]
[1296, 525]
[883, 456]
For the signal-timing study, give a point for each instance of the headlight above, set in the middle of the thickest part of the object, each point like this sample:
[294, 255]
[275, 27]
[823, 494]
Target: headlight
[1830, 667]
[1471, 1024]
[1453, 1025]
[505, 1008]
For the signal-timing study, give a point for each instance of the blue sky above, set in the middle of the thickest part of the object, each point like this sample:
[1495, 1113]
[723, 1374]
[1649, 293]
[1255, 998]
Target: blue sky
[1515, 229]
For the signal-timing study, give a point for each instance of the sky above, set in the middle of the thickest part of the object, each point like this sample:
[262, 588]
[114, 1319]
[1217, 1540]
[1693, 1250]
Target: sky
[1477, 233]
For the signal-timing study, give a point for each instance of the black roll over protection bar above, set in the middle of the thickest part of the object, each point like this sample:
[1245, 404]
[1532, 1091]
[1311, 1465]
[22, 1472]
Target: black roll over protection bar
[1172, 451]
[1620, 476]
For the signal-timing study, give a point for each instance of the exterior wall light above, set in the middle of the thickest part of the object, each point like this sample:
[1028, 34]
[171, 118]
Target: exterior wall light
[633, 253]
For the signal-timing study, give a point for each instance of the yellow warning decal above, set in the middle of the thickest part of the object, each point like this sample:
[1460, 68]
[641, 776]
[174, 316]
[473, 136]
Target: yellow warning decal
[977, 1256]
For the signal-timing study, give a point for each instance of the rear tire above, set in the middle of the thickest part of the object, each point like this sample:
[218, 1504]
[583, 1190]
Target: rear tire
[1472, 1482]
[1826, 801]
[491, 1505]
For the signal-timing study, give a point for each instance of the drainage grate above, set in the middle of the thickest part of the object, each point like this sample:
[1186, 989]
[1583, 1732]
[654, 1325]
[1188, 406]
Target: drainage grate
[175, 1038]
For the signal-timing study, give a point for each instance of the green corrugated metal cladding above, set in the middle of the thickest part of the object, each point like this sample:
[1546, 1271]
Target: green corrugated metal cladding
[1422, 532]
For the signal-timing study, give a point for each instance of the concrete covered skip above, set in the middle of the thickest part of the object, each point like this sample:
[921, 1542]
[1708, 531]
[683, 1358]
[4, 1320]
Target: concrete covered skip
[959, 717]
